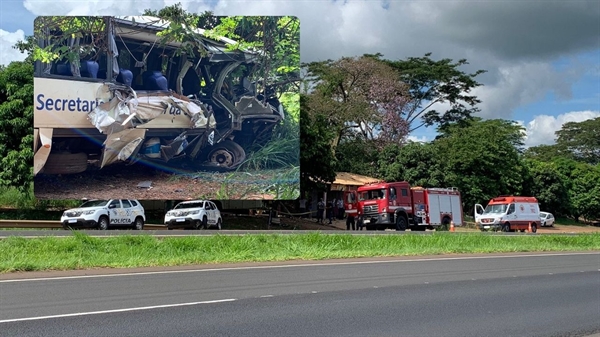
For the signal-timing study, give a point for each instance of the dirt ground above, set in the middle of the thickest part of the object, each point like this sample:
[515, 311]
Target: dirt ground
[131, 182]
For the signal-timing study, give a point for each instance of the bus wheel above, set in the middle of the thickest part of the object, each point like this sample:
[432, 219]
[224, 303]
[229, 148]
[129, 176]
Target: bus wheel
[226, 154]
[66, 163]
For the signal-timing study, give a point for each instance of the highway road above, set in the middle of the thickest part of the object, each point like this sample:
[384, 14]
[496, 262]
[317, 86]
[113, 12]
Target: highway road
[534, 294]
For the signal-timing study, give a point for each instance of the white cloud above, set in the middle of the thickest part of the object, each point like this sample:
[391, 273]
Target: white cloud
[542, 128]
[7, 41]
[521, 84]
[423, 139]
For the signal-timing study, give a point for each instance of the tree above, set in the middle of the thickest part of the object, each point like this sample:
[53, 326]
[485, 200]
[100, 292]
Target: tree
[585, 193]
[417, 163]
[317, 163]
[481, 160]
[581, 140]
[546, 153]
[16, 125]
[359, 97]
[358, 156]
[432, 82]
[549, 186]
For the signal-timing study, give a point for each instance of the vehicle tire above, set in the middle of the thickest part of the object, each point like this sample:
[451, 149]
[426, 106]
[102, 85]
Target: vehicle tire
[226, 154]
[198, 224]
[219, 224]
[401, 223]
[103, 223]
[65, 163]
[204, 222]
[138, 224]
[506, 227]
[534, 227]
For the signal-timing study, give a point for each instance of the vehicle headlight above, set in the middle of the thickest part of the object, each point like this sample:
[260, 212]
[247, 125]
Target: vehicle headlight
[193, 212]
[169, 213]
[88, 212]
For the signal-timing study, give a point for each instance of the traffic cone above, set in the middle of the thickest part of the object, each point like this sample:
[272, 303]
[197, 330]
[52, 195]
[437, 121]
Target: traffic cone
[452, 226]
[529, 229]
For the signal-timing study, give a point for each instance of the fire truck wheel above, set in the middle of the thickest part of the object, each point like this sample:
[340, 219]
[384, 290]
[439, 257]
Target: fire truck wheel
[401, 223]
[66, 163]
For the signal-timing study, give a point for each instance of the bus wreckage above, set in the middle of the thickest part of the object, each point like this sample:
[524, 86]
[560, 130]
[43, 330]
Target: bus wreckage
[143, 102]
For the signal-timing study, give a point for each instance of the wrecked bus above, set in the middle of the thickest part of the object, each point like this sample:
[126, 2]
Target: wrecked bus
[140, 100]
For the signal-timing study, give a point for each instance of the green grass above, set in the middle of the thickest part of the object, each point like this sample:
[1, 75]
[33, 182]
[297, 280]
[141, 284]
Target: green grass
[81, 251]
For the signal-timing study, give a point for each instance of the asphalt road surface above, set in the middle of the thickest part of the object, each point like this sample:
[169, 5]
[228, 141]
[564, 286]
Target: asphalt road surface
[496, 295]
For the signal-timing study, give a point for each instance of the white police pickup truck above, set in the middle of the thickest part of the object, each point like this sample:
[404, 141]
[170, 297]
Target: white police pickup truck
[103, 214]
[195, 214]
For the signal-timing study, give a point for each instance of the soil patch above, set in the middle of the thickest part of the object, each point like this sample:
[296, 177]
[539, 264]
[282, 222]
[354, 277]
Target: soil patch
[147, 183]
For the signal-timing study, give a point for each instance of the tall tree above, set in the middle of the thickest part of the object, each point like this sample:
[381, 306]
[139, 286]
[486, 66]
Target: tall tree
[432, 82]
[417, 163]
[317, 163]
[16, 125]
[482, 160]
[549, 186]
[361, 97]
[581, 140]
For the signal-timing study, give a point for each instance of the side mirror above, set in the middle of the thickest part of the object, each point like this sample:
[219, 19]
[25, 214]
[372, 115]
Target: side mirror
[112, 206]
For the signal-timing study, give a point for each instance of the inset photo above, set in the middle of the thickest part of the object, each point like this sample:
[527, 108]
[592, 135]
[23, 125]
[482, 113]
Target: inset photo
[174, 106]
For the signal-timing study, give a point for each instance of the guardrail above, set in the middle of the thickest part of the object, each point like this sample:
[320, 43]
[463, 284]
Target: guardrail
[53, 224]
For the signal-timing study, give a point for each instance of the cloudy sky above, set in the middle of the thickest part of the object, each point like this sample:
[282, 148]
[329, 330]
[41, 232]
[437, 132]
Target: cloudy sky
[542, 57]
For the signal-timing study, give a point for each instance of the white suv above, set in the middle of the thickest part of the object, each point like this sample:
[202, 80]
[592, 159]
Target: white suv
[105, 213]
[195, 214]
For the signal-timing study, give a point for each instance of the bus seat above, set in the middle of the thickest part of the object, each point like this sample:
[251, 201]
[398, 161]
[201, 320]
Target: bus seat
[89, 68]
[64, 69]
[125, 76]
[155, 80]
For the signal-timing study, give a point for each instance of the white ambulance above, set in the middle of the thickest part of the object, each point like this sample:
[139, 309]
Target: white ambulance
[509, 214]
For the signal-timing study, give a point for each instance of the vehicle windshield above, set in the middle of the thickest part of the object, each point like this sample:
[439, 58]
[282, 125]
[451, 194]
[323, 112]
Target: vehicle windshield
[496, 209]
[94, 203]
[372, 194]
[182, 205]
[543, 214]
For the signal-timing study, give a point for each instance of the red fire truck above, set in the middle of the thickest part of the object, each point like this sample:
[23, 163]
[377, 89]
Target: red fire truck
[399, 206]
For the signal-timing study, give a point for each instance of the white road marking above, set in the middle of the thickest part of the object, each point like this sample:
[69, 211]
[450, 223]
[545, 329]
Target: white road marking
[295, 266]
[114, 310]
[263, 296]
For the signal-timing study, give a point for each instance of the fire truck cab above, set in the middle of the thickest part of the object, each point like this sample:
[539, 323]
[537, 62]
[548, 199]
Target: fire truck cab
[399, 206]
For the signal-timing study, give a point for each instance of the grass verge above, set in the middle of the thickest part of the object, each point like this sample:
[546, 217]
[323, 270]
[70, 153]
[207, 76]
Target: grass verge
[81, 251]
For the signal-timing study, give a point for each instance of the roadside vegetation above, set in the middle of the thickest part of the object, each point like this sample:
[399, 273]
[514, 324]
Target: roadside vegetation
[81, 251]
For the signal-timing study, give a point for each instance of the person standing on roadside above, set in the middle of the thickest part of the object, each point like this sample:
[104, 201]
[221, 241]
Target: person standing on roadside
[340, 209]
[330, 212]
[350, 221]
[320, 210]
[302, 204]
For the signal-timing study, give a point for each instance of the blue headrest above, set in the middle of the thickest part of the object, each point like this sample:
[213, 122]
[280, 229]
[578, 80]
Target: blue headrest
[64, 69]
[89, 68]
[155, 80]
[125, 76]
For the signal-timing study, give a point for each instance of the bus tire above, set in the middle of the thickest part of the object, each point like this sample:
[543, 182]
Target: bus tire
[66, 163]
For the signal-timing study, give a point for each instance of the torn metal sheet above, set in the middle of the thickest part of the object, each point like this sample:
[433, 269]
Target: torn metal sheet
[42, 154]
[252, 106]
[128, 109]
[121, 145]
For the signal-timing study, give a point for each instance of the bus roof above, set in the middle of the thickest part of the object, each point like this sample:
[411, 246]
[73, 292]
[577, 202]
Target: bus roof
[158, 24]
